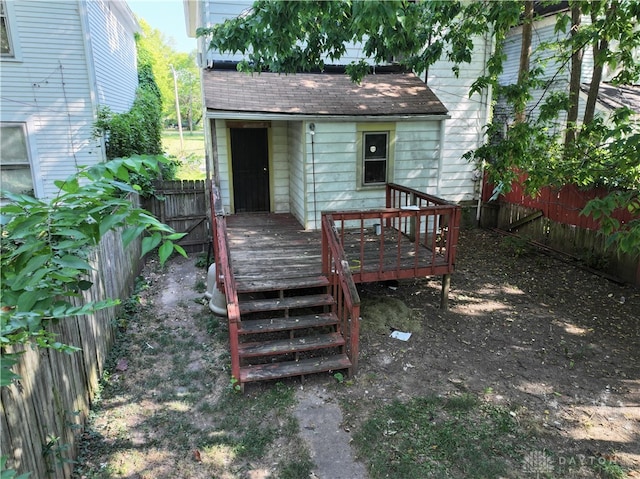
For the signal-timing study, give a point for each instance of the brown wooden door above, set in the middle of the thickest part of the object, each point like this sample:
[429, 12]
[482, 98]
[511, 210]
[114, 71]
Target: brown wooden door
[250, 163]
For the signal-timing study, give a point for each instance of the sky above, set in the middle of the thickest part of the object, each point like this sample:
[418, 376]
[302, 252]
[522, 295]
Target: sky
[168, 17]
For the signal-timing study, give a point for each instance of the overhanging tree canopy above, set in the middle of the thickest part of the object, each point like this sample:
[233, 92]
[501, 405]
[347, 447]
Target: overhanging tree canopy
[553, 148]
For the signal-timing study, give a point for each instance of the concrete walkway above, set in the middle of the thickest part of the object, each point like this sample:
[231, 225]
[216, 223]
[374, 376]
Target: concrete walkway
[320, 422]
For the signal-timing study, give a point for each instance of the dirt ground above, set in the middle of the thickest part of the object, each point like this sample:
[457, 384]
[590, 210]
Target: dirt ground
[557, 344]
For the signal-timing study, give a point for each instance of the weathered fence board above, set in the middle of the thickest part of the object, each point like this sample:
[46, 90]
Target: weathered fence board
[587, 244]
[183, 206]
[561, 225]
[43, 412]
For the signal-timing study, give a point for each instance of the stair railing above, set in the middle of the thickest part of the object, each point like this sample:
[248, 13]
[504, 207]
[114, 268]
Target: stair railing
[225, 279]
[336, 268]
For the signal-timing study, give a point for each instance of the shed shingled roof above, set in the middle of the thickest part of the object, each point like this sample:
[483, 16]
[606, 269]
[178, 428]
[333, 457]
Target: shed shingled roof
[319, 94]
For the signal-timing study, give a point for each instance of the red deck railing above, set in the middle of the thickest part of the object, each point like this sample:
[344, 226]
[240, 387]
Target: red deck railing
[225, 280]
[415, 235]
[343, 289]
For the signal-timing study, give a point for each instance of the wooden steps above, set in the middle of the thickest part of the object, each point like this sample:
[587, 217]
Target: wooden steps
[292, 345]
[252, 285]
[288, 328]
[281, 304]
[273, 325]
[264, 372]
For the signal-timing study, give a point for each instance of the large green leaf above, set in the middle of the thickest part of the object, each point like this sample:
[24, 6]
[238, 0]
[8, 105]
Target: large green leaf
[129, 234]
[110, 222]
[165, 251]
[7, 376]
[73, 262]
[150, 242]
[28, 299]
[72, 185]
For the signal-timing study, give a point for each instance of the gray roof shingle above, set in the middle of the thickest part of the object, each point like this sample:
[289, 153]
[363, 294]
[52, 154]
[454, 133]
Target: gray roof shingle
[319, 94]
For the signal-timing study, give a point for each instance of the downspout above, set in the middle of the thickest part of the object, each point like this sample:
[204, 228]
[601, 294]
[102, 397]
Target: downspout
[312, 131]
[440, 158]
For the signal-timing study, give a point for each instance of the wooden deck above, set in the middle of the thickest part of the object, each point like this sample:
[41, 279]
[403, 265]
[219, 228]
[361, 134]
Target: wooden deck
[292, 304]
[274, 248]
[269, 249]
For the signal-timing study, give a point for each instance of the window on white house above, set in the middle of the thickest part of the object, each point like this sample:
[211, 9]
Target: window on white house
[375, 157]
[15, 167]
[6, 47]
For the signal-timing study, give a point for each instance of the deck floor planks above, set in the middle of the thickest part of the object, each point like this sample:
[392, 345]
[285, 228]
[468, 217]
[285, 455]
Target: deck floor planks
[267, 247]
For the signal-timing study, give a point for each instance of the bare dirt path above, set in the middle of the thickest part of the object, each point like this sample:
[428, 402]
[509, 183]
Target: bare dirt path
[555, 343]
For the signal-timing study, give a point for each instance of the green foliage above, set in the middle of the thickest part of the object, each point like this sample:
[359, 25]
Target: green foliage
[157, 54]
[10, 473]
[608, 469]
[138, 131]
[298, 36]
[46, 245]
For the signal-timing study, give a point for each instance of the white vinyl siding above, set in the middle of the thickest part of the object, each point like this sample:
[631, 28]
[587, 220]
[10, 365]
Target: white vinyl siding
[224, 162]
[555, 72]
[279, 166]
[464, 130]
[51, 88]
[311, 174]
[415, 155]
[114, 51]
[295, 135]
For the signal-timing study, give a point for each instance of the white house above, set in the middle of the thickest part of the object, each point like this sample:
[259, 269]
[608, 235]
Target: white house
[317, 129]
[61, 60]
[556, 73]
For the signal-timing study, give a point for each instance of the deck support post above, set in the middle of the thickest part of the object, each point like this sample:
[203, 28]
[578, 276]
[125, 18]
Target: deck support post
[444, 293]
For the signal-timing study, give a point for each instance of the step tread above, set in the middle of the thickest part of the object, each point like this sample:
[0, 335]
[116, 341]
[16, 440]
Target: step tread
[264, 372]
[252, 326]
[248, 285]
[278, 304]
[292, 345]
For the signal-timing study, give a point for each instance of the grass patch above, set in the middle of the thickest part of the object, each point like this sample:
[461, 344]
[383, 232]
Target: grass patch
[191, 154]
[459, 436]
[383, 314]
[609, 469]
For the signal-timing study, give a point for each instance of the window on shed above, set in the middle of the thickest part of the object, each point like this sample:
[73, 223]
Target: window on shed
[6, 47]
[15, 167]
[375, 154]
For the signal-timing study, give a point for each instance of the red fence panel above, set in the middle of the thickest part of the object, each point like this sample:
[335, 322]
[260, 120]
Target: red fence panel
[561, 205]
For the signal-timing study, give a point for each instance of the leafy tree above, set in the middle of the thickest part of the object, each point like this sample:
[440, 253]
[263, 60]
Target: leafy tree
[284, 36]
[161, 56]
[45, 246]
[189, 94]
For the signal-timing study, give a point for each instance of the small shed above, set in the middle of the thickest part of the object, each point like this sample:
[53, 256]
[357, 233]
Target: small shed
[310, 142]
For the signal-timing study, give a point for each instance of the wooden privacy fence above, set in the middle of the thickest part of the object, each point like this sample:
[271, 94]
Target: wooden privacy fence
[183, 206]
[560, 205]
[553, 219]
[42, 414]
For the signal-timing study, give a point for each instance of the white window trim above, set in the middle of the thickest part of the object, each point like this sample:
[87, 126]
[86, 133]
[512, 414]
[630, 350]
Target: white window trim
[12, 28]
[36, 177]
